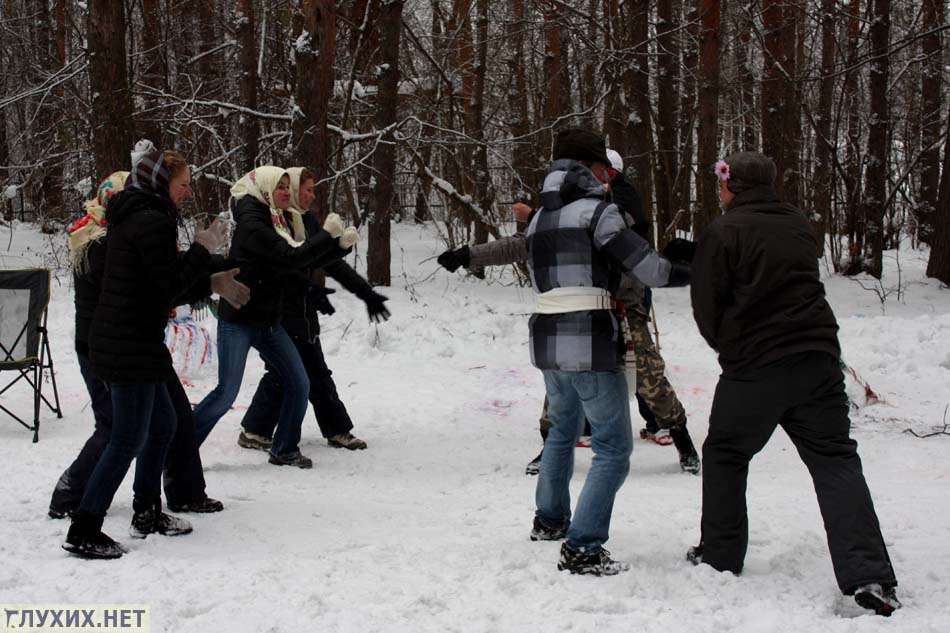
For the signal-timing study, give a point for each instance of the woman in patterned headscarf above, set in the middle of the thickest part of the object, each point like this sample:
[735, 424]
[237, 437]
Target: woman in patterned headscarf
[265, 248]
[142, 277]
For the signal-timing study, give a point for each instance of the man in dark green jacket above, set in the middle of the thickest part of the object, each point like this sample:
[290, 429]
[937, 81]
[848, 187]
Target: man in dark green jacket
[759, 302]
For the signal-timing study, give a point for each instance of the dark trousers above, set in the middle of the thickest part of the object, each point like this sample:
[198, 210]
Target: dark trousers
[184, 478]
[330, 411]
[805, 395]
[142, 427]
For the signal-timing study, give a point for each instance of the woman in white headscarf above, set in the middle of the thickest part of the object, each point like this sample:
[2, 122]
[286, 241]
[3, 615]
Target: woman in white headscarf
[303, 300]
[264, 247]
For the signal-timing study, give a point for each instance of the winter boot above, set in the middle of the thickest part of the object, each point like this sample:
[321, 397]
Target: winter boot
[541, 532]
[534, 466]
[689, 458]
[58, 513]
[152, 520]
[85, 539]
[346, 440]
[291, 459]
[253, 441]
[695, 554]
[882, 599]
[205, 505]
[595, 563]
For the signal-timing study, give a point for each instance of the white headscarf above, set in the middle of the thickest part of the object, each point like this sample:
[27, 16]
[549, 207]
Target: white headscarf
[260, 183]
[296, 208]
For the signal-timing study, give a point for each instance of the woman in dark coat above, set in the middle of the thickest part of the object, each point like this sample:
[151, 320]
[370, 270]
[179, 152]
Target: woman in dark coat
[265, 249]
[184, 478]
[144, 274]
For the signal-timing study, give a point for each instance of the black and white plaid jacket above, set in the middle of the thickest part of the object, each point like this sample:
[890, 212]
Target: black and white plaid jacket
[577, 239]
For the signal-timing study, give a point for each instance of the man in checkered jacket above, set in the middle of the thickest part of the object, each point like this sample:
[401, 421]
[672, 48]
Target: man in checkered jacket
[578, 247]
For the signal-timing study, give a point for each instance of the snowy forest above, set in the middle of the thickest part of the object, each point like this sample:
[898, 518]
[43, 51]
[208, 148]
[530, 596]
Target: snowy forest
[445, 110]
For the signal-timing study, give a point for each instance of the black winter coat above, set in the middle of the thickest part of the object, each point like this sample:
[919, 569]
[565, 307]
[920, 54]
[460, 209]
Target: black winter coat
[756, 291]
[268, 263]
[86, 287]
[626, 196]
[300, 316]
[143, 277]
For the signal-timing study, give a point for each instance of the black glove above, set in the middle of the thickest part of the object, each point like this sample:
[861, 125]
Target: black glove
[451, 260]
[679, 276]
[375, 305]
[680, 250]
[318, 296]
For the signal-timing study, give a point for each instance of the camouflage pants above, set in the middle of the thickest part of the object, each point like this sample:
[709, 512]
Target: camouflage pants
[652, 384]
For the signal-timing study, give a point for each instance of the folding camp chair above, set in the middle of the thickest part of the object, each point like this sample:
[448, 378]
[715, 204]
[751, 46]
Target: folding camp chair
[24, 342]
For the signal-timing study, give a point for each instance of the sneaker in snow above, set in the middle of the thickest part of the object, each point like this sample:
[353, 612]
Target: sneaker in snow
[541, 532]
[583, 441]
[689, 463]
[253, 441]
[154, 520]
[205, 505]
[534, 466]
[291, 459]
[346, 440]
[596, 563]
[92, 546]
[661, 437]
[878, 598]
[689, 458]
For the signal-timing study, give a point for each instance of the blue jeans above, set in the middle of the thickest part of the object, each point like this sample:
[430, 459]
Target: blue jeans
[602, 397]
[143, 422]
[278, 351]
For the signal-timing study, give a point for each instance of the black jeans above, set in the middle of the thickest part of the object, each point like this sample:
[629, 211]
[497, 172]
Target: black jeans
[804, 394]
[330, 411]
[184, 478]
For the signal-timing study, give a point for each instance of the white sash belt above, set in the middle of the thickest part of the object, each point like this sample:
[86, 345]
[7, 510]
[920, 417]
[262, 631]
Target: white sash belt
[562, 300]
[578, 299]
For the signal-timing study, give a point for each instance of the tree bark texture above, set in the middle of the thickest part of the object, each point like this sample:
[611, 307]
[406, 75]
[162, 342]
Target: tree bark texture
[383, 197]
[113, 124]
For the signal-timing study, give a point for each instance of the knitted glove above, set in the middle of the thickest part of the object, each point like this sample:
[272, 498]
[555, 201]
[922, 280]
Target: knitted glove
[375, 305]
[349, 237]
[452, 260]
[333, 225]
[319, 297]
[680, 250]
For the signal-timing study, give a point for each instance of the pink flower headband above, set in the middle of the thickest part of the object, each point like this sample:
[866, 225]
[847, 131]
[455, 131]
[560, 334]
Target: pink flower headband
[722, 170]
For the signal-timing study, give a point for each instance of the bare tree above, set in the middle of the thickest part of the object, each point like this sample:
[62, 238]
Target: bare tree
[934, 17]
[384, 195]
[707, 203]
[113, 124]
[875, 175]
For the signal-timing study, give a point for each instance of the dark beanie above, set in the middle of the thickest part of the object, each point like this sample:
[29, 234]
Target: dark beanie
[580, 144]
[748, 170]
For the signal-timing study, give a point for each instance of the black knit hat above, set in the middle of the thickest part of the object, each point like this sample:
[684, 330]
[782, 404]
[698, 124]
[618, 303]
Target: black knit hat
[748, 170]
[580, 144]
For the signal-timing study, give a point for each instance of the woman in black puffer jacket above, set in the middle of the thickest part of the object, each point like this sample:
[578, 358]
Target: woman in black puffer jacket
[144, 274]
[265, 249]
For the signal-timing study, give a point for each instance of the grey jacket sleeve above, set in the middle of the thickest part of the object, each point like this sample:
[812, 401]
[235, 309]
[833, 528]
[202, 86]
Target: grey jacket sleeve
[508, 250]
[633, 253]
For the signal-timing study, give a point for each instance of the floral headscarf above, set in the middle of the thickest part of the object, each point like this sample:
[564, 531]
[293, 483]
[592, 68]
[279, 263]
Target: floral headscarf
[92, 226]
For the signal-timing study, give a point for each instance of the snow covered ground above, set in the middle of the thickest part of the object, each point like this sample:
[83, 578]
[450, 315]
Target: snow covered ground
[428, 529]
